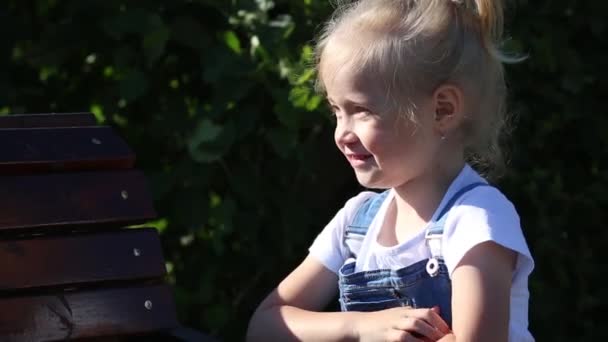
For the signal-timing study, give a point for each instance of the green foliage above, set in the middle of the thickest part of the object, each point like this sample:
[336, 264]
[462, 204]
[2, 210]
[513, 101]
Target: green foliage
[216, 98]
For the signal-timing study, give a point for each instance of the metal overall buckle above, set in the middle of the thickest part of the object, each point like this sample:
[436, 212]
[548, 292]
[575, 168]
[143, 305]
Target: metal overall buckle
[433, 241]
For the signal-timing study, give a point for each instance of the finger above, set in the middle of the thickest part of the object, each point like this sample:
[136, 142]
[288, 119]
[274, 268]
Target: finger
[419, 328]
[431, 317]
[411, 338]
[403, 336]
[424, 339]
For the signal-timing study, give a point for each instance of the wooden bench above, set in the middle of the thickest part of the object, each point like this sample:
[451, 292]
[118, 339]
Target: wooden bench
[70, 268]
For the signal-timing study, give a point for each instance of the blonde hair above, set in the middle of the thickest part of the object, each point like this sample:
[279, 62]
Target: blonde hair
[414, 46]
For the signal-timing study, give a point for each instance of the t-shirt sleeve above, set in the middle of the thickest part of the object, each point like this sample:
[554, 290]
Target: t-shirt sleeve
[482, 215]
[328, 247]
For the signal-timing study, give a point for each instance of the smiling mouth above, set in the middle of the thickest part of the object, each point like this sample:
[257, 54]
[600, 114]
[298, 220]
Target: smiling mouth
[358, 159]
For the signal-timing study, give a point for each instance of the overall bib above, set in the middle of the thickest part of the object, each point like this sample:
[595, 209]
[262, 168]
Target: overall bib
[424, 284]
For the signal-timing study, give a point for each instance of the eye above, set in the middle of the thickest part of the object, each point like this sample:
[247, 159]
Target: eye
[362, 111]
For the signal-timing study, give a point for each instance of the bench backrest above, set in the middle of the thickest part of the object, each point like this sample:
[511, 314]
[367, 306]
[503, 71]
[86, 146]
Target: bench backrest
[69, 265]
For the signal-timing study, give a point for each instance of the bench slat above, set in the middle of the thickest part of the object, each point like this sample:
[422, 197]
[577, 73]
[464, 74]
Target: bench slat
[47, 120]
[79, 259]
[110, 197]
[108, 312]
[60, 149]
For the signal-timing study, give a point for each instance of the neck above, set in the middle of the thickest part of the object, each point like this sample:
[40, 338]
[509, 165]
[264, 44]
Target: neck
[422, 196]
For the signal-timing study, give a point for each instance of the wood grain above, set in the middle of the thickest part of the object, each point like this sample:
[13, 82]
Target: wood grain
[62, 149]
[80, 259]
[108, 312]
[74, 199]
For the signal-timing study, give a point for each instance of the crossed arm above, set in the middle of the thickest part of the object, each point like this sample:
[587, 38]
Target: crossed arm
[481, 286]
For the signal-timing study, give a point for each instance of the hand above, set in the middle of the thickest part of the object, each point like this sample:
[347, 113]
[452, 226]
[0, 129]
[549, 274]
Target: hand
[401, 324]
[448, 338]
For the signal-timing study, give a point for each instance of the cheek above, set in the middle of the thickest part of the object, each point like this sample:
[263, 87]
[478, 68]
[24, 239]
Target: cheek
[379, 145]
[396, 151]
[373, 138]
[385, 142]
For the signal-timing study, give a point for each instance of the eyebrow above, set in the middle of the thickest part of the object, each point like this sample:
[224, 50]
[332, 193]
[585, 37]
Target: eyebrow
[365, 104]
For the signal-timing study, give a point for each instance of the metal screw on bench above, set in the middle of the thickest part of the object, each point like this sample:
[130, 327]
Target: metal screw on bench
[136, 252]
[148, 304]
[96, 141]
[124, 194]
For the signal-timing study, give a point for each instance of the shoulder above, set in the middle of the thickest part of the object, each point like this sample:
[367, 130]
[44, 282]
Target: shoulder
[480, 215]
[484, 202]
[485, 211]
[472, 196]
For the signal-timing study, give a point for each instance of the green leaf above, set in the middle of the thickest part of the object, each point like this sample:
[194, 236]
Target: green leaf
[306, 76]
[313, 103]
[97, 111]
[232, 41]
[299, 96]
[206, 131]
[211, 141]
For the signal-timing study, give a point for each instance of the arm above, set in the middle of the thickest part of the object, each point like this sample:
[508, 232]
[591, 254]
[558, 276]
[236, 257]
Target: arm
[481, 291]
[288, 312]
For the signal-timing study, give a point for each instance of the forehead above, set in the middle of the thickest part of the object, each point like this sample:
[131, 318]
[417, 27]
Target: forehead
[341, 49]
[341, 70]
[344, 83]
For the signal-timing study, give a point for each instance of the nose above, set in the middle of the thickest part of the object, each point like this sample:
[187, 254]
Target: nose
[344, 133]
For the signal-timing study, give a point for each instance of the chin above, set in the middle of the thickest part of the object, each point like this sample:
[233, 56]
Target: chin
[371, 182]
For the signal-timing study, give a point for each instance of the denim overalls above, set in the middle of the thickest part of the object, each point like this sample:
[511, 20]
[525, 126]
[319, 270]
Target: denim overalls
[424, 284]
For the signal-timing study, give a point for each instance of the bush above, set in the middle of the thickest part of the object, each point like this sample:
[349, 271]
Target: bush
[216, 98]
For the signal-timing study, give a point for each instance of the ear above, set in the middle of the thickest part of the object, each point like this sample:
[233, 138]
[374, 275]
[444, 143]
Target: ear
[448, 102]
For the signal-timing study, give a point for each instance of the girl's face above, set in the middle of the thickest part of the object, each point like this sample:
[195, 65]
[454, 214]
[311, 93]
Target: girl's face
[384, 149]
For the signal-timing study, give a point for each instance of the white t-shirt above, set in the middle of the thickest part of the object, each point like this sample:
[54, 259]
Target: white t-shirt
[480, 215]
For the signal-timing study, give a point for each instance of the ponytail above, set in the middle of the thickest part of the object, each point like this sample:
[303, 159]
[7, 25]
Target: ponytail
[490, 14]
[488, 20]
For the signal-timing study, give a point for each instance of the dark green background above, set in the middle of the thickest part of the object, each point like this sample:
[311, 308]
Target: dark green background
[215, 97]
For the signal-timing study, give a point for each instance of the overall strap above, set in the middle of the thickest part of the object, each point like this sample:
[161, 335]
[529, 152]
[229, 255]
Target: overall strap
[434, 234]
[357, 229]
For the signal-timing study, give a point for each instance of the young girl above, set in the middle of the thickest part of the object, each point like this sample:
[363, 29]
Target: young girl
[417, 90]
